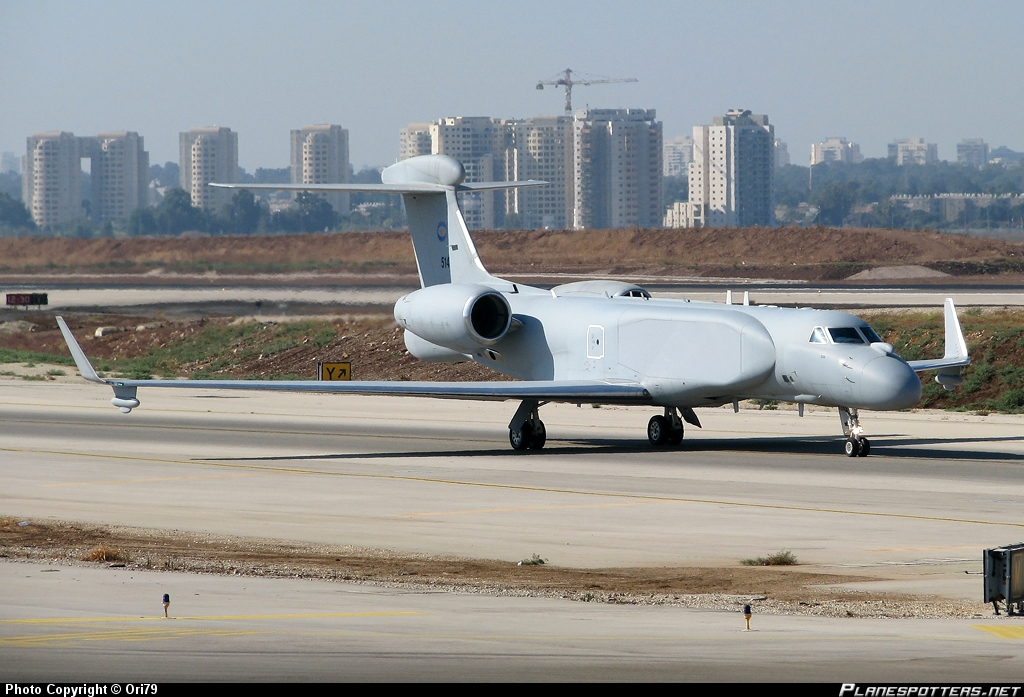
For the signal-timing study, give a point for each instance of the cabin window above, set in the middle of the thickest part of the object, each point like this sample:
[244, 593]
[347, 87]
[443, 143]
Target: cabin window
[818, 336]
[845, 335]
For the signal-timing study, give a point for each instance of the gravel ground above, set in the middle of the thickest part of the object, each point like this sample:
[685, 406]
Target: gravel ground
[769, 590]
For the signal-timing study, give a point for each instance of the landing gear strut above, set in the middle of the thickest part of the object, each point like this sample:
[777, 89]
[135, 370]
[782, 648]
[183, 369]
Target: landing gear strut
[856, 444]
[526, 431]
[665, 430]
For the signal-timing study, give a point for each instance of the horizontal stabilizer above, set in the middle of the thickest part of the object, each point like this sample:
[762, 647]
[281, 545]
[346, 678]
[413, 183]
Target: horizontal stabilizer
[404, 188]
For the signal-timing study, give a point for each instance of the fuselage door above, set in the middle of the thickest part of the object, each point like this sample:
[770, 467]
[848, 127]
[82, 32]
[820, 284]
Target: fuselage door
[595, 341]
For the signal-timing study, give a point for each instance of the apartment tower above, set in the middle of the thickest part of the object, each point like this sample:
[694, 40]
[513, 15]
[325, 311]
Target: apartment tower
[617, 169]
[731, 176]
[208, 155]
[320, 156]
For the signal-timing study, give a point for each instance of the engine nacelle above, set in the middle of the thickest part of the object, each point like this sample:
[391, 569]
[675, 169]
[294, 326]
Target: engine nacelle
[432, 353]
[458, 317]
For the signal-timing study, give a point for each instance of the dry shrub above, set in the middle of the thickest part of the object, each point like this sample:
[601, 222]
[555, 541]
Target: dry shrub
[104, 553]
[781, 558]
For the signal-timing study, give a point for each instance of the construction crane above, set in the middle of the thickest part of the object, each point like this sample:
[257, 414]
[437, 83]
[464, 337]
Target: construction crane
[568, 82]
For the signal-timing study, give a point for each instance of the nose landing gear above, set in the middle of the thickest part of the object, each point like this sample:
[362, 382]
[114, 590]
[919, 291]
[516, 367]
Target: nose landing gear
[856, 444]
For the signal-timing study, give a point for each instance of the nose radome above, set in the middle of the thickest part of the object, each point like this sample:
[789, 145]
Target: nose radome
[888, 383]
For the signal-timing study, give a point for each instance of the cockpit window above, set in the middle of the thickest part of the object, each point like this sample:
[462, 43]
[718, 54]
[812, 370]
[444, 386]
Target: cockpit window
[818, 336]
[870, 335]
[845, 335]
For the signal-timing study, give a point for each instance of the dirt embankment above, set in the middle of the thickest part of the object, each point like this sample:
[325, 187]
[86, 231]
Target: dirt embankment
[770, 589]
[784, 253]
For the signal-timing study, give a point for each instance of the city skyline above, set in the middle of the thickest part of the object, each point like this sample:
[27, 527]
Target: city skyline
[376, 70]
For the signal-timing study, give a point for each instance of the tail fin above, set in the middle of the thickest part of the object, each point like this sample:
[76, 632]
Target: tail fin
[444, 250]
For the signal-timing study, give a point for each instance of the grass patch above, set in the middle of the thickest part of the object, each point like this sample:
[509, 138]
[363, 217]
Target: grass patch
[781, 558]
[102, 552]
[535, 560]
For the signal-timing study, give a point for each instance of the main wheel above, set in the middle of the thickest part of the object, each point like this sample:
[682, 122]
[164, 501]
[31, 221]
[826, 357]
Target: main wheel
[658, 431]
[539, 436]
[851, 447]
[520, 438]
[675, 436]
[865, 447]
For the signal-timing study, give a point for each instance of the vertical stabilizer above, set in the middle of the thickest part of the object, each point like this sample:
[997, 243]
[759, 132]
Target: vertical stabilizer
[428, 218]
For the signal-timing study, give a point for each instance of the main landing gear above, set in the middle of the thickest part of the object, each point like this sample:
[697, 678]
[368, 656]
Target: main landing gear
[856, 445]
[665, 430]
[526, 431]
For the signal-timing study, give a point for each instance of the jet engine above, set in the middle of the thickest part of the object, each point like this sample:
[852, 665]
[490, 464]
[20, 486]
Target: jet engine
[458, 317]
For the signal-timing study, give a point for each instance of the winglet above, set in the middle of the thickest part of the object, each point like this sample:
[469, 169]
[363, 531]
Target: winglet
[956, 347]
[84, 366]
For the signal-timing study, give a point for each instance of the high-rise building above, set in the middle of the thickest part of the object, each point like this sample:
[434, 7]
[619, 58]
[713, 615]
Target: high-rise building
[320, 156]
[780, 153]
[617, 168]
[731, 176]
[51, 178]
[910, 151]
[414, 140]
[9, 162]
[835, 150]
[208, 155]
[615, 152]
[973, 152]
[479, 143]
[539, 148]
[119, 168]
[678, 156]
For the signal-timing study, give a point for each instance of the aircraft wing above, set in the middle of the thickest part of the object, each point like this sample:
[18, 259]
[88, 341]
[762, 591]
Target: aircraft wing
[956, 346]
[543, 390]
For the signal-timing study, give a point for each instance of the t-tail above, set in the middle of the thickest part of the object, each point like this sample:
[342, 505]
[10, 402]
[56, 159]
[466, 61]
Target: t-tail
[429, 184]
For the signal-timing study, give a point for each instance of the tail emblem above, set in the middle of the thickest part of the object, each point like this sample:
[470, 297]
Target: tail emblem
[442, 231]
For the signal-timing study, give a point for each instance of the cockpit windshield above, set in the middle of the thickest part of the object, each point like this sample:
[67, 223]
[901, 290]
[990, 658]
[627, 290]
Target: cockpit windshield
[845, 335]
[870, 335]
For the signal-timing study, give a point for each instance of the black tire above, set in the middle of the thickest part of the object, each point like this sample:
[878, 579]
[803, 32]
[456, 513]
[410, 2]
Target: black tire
[675, 437]
[865, 448]
[658, 431]
[539, 436]
[521, 439]
[851, 447]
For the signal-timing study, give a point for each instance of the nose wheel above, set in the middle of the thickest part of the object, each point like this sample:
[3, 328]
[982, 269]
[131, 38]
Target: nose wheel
[856, 445]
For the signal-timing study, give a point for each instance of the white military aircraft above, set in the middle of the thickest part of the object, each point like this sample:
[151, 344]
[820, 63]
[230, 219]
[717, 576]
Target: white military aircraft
[601, 342]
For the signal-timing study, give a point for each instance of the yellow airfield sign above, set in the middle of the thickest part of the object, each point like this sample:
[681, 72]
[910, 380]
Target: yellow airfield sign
[333, 371]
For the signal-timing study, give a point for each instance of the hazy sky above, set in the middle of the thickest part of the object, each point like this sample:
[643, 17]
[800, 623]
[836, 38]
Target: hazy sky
[869, 71]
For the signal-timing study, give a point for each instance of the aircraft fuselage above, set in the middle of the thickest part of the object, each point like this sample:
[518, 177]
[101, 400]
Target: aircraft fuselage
[691, 354]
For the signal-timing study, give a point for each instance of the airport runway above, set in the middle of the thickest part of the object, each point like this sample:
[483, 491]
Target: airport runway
[275, 299]
[439, 477]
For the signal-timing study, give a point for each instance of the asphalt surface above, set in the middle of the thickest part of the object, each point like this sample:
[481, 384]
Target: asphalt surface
[439, 477]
